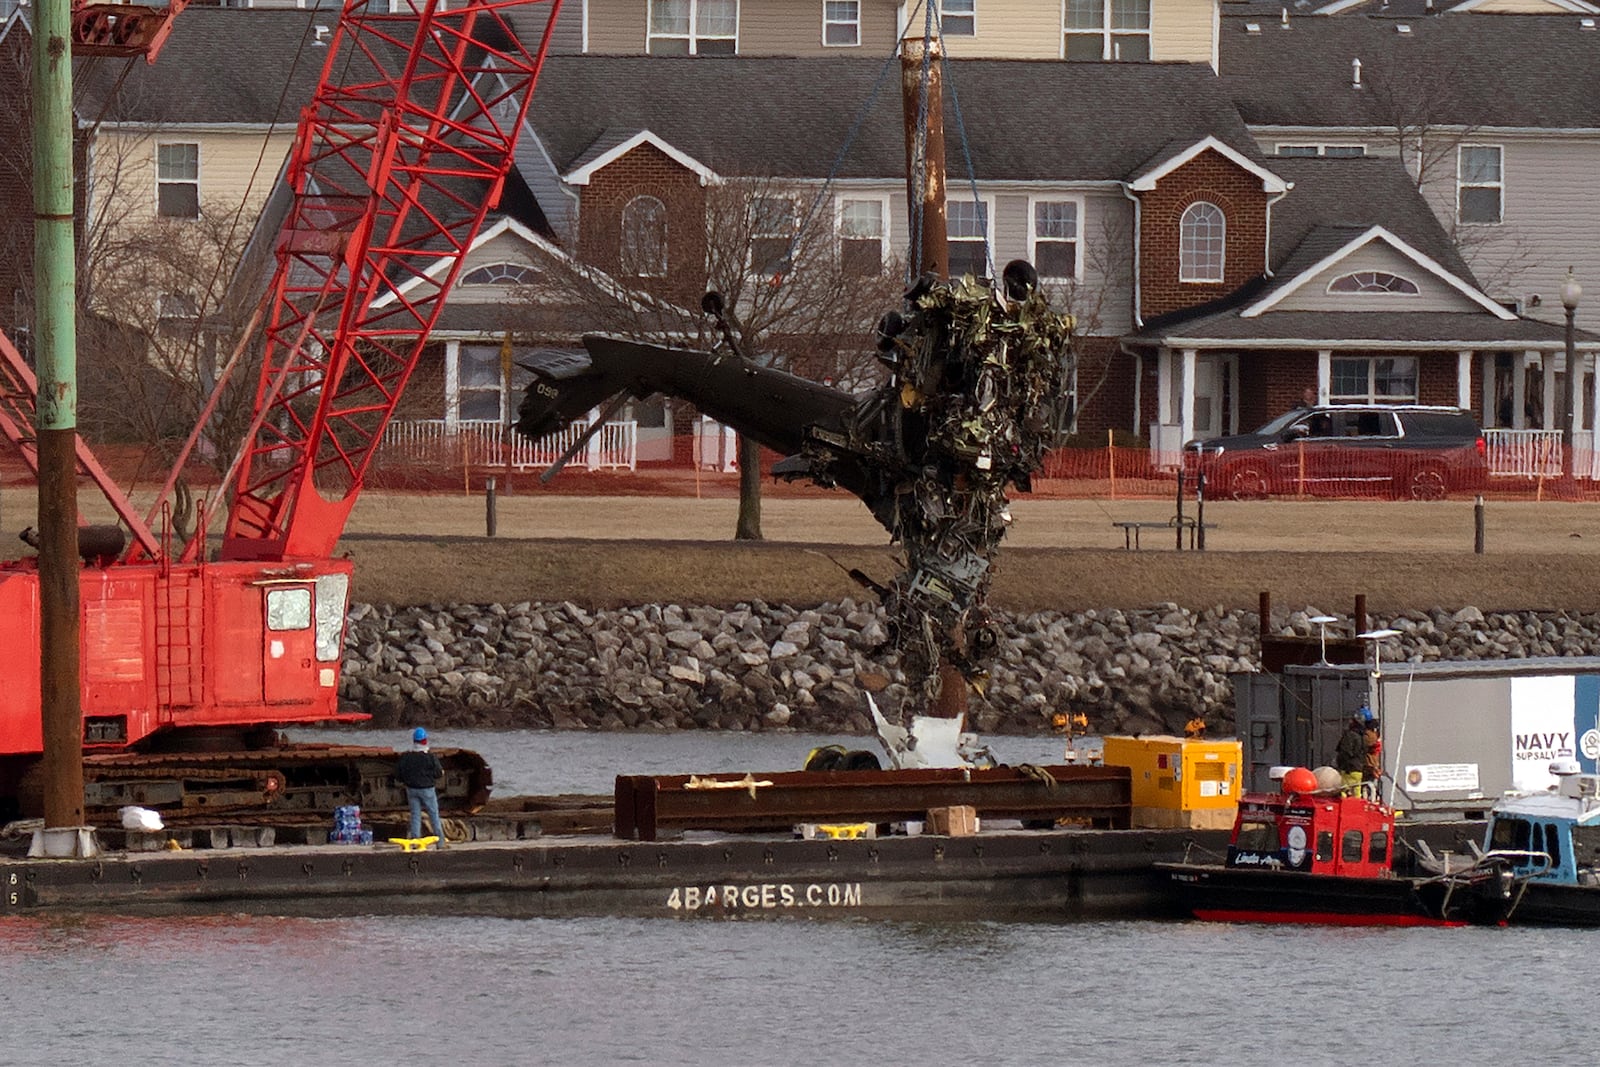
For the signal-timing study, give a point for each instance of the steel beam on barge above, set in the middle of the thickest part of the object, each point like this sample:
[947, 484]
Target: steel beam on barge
[1101, 797]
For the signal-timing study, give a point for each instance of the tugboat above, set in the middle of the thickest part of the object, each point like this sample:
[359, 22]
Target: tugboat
[1309, 854]
[1540, 864]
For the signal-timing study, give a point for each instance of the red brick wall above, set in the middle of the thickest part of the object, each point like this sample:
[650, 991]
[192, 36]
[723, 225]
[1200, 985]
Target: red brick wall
[648, 171]
[1210, 176]
[1271, 383]
[1436, 378]
[1111, 406]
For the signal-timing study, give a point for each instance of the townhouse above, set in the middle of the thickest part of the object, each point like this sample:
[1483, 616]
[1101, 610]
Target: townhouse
[1231, 204]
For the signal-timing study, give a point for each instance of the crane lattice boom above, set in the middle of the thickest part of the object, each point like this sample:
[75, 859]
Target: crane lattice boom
[399, 157]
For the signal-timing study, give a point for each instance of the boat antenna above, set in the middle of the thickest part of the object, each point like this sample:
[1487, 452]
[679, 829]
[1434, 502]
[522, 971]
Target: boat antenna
[1375, 640]
[1322, 622]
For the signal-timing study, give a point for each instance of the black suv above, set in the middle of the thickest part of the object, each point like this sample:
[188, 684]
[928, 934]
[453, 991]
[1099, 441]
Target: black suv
[1404, 451]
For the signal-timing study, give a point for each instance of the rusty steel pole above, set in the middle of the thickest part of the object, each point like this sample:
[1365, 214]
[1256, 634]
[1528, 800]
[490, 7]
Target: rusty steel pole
[921, 99]
[55, 287]
[921, 89]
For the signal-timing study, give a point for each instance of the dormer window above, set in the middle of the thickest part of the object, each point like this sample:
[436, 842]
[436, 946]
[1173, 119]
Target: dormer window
[1202, 243]
[1373, 281]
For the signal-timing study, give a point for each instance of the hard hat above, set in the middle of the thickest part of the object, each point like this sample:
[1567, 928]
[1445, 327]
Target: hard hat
[1366, 714]
[420, 736]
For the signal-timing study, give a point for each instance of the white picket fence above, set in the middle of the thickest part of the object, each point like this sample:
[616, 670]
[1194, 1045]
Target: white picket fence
[471, 443]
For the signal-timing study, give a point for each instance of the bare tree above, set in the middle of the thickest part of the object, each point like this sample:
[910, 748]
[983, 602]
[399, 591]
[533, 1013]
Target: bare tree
[151, 288]
[801, 294]
[1107, 273]
[1420, 107]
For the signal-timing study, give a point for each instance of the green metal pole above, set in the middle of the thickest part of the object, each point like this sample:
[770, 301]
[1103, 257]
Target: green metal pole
[55, 285]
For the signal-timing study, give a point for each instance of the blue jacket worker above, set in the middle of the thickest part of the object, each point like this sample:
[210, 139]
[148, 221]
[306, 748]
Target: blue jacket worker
[418, 770]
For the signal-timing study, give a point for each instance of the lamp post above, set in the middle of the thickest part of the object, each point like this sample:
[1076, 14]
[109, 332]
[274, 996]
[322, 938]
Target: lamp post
[1571, 293]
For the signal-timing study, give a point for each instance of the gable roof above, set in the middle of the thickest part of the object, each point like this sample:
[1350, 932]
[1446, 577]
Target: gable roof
[220, 65]
[1545, 69]
[1289, 283]
[1171, 161]
[1336, 207]
[789, 117]
[1356, 193]
[612, 145]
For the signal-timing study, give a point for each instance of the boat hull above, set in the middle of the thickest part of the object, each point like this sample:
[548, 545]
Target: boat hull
[1489, 901]
[1228, 894]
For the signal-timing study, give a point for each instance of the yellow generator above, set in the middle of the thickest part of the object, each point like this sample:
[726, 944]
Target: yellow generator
[1180, 783]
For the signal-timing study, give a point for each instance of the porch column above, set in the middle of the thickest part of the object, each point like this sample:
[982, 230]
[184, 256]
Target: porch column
[1164, 386]
[1186, 403]
[1487, 416]
[1138, 392]
[1324, 374]
[1464, 380]
[1594, 406]
[1549, 389]
[594, 448]
[1519, 392]
[452, 386]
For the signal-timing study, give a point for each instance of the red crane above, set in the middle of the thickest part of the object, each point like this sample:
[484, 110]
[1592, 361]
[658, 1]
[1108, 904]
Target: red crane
[401, 153]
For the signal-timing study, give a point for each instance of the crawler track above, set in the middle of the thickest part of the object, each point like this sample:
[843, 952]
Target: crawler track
[309, 778]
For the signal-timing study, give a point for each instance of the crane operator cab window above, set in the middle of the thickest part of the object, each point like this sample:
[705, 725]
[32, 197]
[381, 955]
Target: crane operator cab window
[291, 609]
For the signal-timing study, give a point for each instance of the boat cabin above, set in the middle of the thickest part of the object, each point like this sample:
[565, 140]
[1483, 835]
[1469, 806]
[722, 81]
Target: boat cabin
[1313, 832]
[1550, 837]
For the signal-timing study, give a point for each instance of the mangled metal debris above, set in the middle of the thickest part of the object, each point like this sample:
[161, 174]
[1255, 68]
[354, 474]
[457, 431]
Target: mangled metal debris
[981, 385]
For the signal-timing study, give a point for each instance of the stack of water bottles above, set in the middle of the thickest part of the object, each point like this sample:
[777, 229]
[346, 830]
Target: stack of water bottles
[347, 828]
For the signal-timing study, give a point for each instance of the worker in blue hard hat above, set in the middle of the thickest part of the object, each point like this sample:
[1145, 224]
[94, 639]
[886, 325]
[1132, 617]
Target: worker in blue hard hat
[1350, 757]
[1372, 743]
[419, 770]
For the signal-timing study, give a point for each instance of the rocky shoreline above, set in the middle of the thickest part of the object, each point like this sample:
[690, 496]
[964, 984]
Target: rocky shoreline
[761, 666]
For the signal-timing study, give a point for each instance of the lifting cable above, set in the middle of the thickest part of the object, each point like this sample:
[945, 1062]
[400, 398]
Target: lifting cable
[931, 18]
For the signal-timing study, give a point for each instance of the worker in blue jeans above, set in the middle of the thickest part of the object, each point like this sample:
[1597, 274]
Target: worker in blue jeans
[419, 770]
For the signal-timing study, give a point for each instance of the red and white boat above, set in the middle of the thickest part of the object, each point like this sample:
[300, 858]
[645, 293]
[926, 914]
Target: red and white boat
[1304, 855]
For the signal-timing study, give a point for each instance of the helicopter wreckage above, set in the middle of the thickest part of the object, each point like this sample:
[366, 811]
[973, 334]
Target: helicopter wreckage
[981, 385]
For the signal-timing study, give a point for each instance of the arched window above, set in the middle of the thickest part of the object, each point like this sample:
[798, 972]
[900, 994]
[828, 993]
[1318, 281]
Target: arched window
[1373, 281]
[1202, 243]
[500, 274]
[644, 238]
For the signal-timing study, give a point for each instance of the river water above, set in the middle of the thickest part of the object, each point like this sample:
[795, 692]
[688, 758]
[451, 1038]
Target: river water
[480, 991]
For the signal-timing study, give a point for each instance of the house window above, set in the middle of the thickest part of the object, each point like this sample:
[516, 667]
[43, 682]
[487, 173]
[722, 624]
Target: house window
[958, 18]
[1375, 380]
[1373, 281]
[967, 233]
[644, 238]
[1331, 151]
[178, 181]
[694, 27]
[773, 222]
[1480, 183]
[863, 237]
[1055, 238]
[841, 22]
[479, 388]
[1202, 243]
[500, 274]
[1107, 29]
